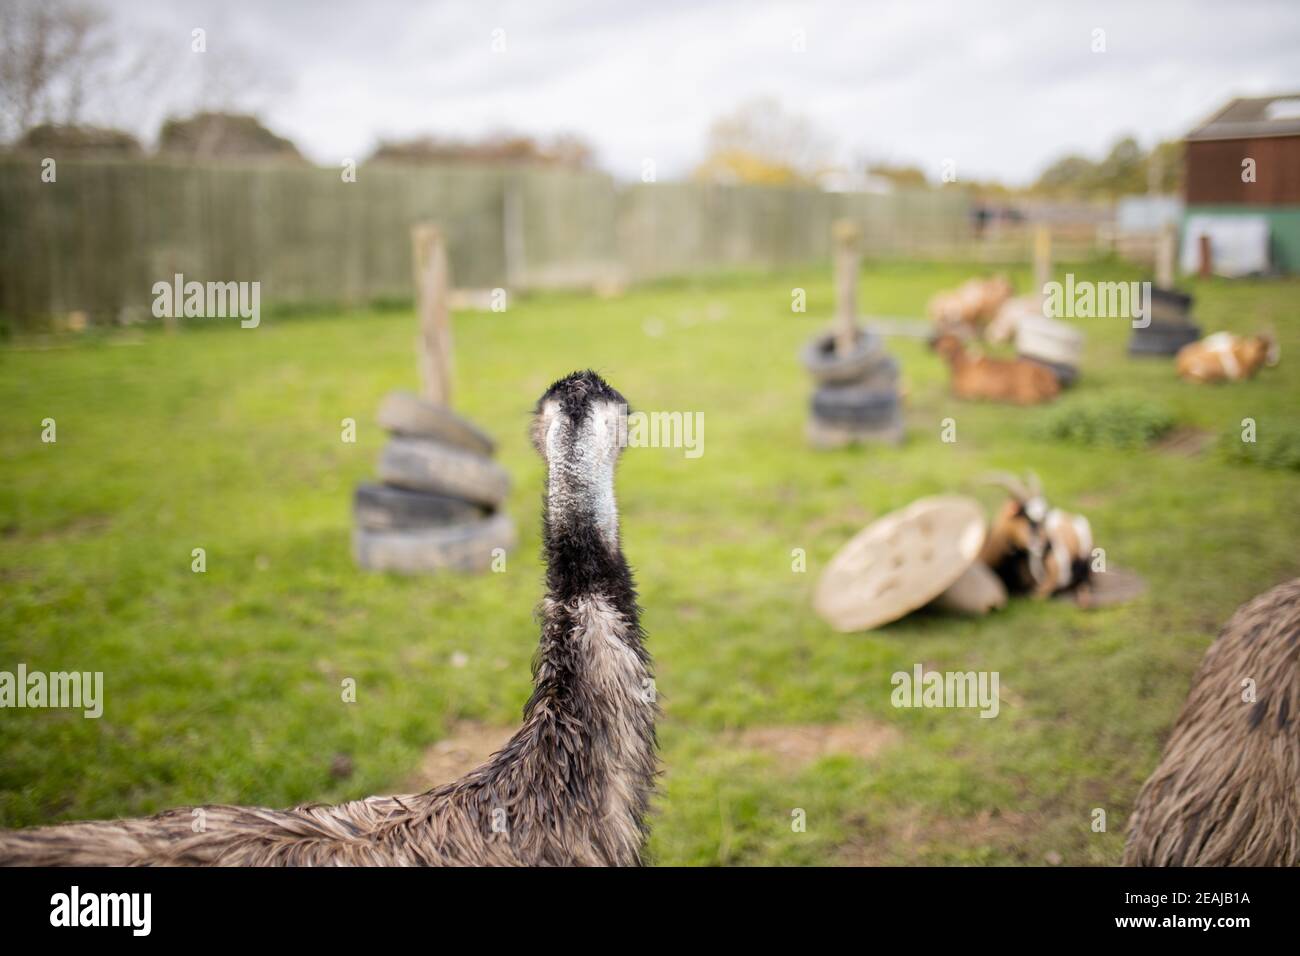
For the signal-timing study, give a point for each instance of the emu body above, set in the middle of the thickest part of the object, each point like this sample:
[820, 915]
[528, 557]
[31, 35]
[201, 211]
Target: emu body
[571, 787]
[1227, 789]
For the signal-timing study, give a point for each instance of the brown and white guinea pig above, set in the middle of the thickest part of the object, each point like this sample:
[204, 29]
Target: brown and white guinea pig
[1034, 548]
[1224, 357]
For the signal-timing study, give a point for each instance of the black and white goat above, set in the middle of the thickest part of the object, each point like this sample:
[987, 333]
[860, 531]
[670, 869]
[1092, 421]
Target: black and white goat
[1034, 548]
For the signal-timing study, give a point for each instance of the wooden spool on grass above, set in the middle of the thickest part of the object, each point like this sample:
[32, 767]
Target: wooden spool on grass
[904, 561]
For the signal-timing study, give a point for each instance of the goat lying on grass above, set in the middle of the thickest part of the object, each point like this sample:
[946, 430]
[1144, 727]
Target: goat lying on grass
[1020, 381]
[1034, 548]
[970, 306]
[1224, 357]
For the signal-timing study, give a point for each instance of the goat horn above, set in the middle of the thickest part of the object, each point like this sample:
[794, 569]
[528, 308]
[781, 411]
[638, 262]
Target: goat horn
[1009, 482]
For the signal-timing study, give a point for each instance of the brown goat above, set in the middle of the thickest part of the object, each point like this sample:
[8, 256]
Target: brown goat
[970, 306]
[1227, 789]
[1224, 357]
[1020, 381]
[570, 788]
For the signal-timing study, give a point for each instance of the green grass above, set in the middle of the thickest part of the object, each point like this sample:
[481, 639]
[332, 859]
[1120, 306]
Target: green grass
[224, 686]
[1113, 421]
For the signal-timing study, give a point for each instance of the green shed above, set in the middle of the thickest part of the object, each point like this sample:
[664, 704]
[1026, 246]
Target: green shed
[1245, 161]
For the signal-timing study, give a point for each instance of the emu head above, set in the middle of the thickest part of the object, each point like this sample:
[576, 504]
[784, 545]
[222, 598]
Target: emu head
[580, 427]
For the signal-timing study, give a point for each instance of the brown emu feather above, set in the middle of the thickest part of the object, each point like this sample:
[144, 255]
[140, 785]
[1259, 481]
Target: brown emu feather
[570, 788]
[1227, 789]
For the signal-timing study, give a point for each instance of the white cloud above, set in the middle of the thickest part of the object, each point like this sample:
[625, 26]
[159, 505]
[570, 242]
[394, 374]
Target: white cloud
[1001, 88]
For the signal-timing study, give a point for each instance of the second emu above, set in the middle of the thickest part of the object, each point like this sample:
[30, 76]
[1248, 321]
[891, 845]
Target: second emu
[1227, 790]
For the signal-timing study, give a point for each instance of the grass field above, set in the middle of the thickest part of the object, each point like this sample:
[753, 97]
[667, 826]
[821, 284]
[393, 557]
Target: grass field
[224, 686]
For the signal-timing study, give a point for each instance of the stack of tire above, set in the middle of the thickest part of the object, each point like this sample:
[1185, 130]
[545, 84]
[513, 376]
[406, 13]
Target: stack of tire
[437, 506]
[1052, 343]
[1171, 325]
[856, 397]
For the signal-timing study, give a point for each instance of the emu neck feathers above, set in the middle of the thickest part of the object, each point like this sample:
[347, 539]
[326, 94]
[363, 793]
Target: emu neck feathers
[589, 727]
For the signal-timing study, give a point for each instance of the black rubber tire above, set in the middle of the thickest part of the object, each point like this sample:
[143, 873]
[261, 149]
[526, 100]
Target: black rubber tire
[1171, 301]
[828, 435]
[883, 377]
[385, 508]
[467, 546]
[827, 368]
[1162, 338]
[855, 405]
[404, 413]
[423, 465]
[1067, 375]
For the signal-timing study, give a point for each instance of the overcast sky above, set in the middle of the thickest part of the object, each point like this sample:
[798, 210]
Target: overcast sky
[1000, 88]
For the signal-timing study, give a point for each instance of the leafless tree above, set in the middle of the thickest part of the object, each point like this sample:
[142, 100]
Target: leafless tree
[236, 79]
[47, 52]
[61, 61]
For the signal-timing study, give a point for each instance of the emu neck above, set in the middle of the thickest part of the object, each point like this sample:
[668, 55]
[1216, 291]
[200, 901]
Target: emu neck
[590, 603]
[593, 703]
[580, 500]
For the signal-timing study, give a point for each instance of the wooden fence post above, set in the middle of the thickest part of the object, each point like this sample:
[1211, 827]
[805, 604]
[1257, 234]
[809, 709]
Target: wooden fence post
[846, 234]
[432, 291]
[1166, 248]
[1042, 258]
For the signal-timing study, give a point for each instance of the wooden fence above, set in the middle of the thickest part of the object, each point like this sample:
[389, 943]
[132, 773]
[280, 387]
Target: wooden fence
[102, 233]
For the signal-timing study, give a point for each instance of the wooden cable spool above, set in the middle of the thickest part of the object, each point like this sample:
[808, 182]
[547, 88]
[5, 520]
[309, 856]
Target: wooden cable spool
[900, 563]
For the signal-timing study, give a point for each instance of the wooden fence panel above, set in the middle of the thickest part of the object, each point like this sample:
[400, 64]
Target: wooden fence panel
[100, 236]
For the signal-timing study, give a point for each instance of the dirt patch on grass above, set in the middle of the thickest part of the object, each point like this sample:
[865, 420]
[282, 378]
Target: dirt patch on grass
[468, 744]
[911, 837]
[798, 745]
[81, 525]
[1185, 441]
[1093, 499]
[1115, 586]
